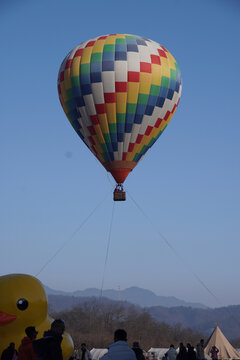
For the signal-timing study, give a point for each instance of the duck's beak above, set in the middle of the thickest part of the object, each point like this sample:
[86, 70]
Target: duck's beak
[6, 318]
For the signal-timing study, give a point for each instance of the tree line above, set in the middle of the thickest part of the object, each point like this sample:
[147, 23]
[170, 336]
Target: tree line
[95, 323]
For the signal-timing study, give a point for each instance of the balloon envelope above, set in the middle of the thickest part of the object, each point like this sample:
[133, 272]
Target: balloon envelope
[119, 92]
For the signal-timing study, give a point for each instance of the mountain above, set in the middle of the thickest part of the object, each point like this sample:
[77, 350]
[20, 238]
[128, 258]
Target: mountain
[203, 320]
[50, 291]
[58, 303]
[133, 295]
[200, 320]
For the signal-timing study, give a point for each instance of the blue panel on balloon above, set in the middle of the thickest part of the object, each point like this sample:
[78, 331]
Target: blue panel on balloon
[86, 89]
[96, 77]
[108, 66]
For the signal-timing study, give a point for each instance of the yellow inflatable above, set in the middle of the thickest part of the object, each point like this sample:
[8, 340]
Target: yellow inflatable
[23, 303]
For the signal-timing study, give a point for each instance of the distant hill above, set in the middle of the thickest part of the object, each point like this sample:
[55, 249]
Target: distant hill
[203, 320]
[62, 302]
[134, 295]
[200, 320]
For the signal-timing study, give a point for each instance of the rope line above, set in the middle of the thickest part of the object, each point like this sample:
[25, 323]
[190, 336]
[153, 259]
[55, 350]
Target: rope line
[107, 250]
[177, 254]
[71, 237]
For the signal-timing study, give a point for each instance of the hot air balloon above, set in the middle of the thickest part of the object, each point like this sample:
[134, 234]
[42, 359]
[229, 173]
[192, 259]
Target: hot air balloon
[119, 92]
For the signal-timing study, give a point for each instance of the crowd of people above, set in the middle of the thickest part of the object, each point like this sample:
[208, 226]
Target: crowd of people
[189, 353]
[49, 348]
[46, 348]
[118, 350]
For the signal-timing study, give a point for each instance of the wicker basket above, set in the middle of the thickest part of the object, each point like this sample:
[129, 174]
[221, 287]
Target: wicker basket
[119, 196]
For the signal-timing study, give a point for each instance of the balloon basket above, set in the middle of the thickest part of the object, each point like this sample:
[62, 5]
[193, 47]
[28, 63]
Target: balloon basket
[119, 194]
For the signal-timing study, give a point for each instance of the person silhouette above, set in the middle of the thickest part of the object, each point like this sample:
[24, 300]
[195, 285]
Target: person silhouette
[119, 350]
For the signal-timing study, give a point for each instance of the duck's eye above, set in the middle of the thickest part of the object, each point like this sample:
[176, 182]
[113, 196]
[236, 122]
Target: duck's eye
[22, 304]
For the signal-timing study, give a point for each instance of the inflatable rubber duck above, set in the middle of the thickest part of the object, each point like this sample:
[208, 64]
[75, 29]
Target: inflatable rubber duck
[23, 303]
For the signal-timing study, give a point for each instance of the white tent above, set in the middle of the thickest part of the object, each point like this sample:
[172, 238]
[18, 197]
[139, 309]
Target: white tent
[158, 352]
[98, 353]
[226, 350]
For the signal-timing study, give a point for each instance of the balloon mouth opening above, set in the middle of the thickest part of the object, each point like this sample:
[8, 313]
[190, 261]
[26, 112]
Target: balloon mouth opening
[119, 169]
[120, 175]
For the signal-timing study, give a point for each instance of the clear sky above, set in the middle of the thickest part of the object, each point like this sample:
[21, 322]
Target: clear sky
[187, 184]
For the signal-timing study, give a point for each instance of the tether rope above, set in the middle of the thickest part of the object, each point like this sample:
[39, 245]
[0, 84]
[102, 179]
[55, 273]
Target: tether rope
[71, 237]
[107, 250]
[183, 261]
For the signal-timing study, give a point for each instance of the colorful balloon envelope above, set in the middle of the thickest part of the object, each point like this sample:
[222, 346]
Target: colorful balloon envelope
[119, 92]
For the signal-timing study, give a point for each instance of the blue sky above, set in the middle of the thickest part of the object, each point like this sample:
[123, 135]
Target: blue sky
[187, 184]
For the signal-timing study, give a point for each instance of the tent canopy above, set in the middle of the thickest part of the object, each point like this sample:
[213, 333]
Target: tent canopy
[159, 352]
[226, 350]
[98, 353]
